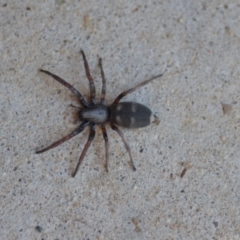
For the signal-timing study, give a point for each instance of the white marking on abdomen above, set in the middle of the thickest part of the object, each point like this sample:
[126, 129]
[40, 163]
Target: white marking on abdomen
[132, 121]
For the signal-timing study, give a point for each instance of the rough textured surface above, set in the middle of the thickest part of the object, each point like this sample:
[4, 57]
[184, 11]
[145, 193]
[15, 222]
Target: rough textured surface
[196, 45]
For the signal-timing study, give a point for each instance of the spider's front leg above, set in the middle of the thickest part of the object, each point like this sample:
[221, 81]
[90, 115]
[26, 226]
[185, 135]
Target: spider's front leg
[90, 79]
[67, 85]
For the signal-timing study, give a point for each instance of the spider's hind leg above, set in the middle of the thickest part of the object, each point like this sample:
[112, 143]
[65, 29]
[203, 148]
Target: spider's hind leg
[115, 128]
[123, 94]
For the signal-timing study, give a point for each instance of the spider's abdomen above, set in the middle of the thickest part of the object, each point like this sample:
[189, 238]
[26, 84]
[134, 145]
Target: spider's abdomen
[95, 114]
[130, 115]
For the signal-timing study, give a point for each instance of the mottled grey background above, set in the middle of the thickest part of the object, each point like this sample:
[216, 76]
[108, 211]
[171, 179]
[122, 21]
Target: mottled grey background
[196, 45]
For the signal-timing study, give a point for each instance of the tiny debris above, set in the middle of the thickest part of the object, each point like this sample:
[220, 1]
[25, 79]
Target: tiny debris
[183, 172]
[155, 119]
[227, 108]
[215, 224]
[135, 223]
[223, 139]
[228, 30]
[39, 228]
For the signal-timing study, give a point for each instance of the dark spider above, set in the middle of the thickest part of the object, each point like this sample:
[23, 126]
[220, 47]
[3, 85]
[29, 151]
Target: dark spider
[125, 114]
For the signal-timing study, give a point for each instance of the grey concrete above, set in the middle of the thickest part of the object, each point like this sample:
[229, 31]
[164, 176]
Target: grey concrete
[195, 44]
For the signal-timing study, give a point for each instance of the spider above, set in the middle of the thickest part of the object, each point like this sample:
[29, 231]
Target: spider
[93, 114]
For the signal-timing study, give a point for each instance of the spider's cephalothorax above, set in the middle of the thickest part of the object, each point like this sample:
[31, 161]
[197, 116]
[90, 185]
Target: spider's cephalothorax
[125, 114]
[98, 114]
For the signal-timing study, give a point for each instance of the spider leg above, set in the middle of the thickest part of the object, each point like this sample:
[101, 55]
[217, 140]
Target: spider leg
[123, 94]
[73, 106]
[115, 128]
[69, 86]
[87, 145]
[69, 136]
[105, 137]
[90, 79]
[103, 82]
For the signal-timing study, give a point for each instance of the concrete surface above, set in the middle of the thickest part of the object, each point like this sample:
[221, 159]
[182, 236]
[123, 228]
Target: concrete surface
[196, 45]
